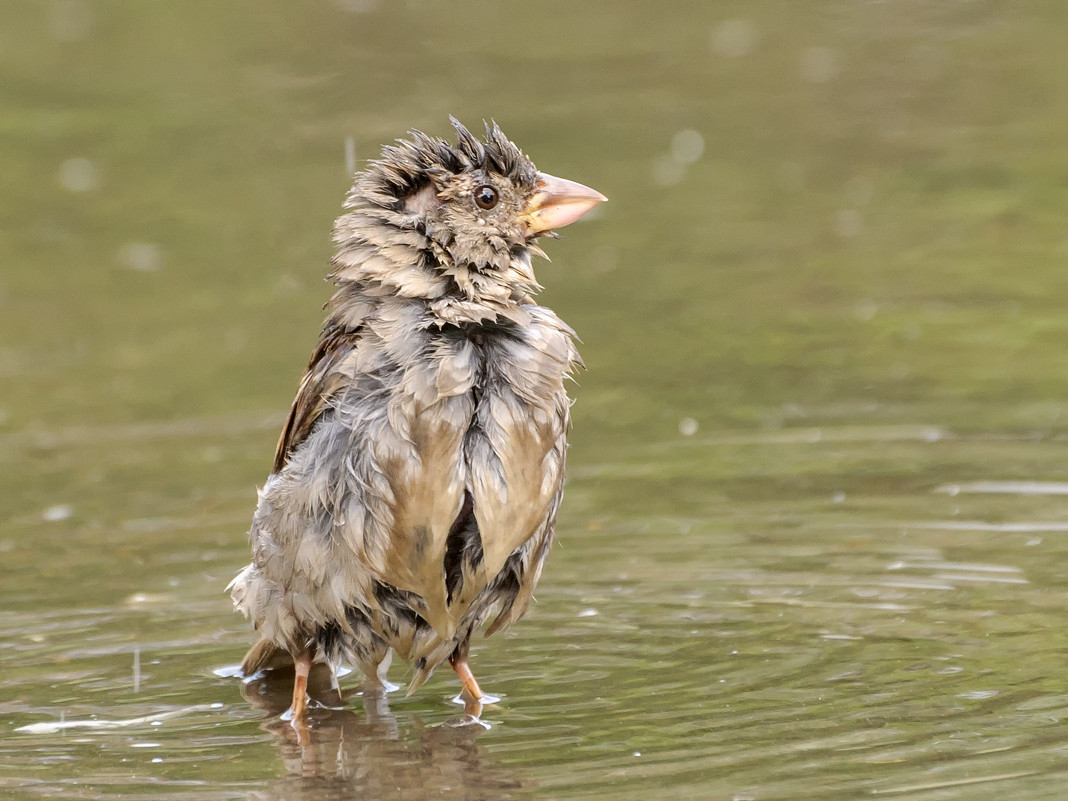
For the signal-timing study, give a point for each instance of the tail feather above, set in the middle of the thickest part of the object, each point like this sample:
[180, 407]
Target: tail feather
[265, 655]
[419, 677]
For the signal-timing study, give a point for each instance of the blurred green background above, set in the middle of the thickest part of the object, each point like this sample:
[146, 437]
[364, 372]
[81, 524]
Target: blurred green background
[825, 299]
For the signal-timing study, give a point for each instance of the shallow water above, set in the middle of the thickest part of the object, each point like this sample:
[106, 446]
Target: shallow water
[815, 537]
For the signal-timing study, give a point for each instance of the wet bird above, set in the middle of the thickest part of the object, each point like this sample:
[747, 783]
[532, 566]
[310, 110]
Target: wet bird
[417, 480]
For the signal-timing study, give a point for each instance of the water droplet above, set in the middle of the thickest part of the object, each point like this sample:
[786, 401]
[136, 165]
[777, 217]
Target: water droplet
[687, 146]
[932, 435]
[865, 310]
[79, 175]
[142, 256]
[734, 38]
[61, 511]
[70, 20]
[667, 171]
[350, 155]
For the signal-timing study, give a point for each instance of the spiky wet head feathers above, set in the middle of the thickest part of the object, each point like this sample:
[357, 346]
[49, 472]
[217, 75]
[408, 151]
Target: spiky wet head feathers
[419, 224]
[407, 165]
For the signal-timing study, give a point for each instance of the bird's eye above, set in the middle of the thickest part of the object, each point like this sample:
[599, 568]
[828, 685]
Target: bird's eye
[486, 197]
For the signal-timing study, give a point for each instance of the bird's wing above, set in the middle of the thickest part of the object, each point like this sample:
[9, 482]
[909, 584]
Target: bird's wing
[323, 378]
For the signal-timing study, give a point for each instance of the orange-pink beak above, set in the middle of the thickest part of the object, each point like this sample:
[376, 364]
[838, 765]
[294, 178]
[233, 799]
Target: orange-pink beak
[558, 202]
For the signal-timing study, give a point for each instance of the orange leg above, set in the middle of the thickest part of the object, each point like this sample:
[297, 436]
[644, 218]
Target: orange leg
[471, 694]
[302, 665]
[467, 678]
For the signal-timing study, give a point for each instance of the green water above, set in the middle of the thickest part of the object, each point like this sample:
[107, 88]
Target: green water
[822, 312]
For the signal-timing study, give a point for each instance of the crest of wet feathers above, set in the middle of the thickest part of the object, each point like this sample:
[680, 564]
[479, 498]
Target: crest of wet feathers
[417, 480]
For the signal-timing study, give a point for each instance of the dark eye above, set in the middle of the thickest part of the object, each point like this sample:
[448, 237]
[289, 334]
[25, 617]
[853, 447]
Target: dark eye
[486, 197]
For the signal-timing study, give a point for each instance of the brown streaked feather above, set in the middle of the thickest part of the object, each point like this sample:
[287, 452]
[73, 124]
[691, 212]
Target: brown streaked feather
[320, 382]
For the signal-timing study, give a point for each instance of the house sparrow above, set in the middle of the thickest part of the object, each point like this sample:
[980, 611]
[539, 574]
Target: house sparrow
[417, 480]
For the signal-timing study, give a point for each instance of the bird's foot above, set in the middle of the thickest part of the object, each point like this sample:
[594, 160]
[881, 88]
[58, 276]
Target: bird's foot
[462, 699]
[465, 720]
[473, 705]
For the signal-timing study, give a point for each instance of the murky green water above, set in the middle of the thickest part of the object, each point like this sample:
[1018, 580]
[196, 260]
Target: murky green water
[822, 313]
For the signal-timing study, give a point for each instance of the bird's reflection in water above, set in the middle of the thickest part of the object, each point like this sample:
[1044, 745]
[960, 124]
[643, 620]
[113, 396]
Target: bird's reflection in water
[374, 754]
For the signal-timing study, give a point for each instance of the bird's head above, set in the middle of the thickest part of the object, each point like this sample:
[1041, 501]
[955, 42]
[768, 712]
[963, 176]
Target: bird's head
[431, 218]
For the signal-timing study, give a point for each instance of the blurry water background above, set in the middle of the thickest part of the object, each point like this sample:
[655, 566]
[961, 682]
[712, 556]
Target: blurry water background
[815, 540]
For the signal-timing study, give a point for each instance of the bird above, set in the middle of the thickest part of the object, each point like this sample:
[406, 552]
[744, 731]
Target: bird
[417, 479]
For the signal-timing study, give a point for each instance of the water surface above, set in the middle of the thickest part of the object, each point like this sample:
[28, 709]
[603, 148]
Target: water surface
[814, 541]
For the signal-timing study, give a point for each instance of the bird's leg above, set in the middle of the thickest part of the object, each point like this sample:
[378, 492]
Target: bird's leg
[302, 663]
[471, 693]
[467, 678]
[380, 673]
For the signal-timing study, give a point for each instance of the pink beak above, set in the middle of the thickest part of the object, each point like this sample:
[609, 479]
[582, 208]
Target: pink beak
[558, 202]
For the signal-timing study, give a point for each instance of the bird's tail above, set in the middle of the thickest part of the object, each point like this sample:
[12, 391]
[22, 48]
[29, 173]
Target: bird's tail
[264, 655]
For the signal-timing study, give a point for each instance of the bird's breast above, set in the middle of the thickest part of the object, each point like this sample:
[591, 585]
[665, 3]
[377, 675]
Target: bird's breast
[485, 418]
